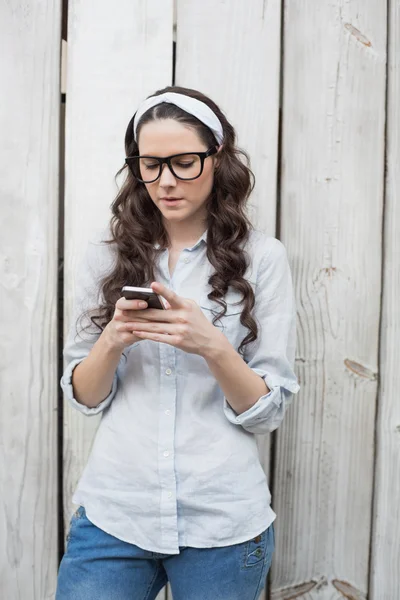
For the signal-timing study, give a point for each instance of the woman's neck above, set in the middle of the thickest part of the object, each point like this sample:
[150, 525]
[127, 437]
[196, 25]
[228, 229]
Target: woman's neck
[185, 236]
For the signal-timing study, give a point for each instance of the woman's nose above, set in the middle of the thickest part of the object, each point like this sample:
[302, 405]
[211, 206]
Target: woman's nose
[167, 177]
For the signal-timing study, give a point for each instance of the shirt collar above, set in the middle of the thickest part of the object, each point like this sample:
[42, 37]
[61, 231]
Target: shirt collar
[202, 239]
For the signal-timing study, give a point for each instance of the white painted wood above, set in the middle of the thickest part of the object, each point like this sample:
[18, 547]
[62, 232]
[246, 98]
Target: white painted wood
[29, 124]
[111, 67]
[385, 582]
[332, 196]
[231, 52]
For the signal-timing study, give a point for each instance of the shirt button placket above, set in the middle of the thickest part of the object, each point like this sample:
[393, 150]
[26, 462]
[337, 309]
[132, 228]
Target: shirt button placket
[167, 403]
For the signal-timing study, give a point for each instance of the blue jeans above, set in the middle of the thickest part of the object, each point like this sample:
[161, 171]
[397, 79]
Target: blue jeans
[98, 566]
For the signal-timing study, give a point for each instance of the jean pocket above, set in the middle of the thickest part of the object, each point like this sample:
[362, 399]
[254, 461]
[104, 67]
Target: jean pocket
[255, 550]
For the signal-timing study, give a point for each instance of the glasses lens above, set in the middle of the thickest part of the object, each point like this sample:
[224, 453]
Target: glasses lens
[186, 166]
[146, 169]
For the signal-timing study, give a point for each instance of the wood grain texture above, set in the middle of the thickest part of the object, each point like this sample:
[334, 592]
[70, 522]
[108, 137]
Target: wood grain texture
[332, 196]
[385, 558]
[29, 122]
[231, 52]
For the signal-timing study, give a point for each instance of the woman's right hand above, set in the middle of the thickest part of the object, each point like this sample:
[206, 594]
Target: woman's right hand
[118, 331]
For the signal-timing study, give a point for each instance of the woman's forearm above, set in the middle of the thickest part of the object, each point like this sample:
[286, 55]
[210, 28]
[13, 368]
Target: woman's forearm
[242, 387]
[92, 379]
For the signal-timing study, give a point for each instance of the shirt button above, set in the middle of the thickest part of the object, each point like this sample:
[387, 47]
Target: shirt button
[168, 372]
[186, 260]
[169, 494]
[167, 412]
[166, 453]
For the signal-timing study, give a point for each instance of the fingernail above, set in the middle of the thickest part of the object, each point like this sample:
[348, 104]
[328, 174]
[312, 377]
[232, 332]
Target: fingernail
[142, 304]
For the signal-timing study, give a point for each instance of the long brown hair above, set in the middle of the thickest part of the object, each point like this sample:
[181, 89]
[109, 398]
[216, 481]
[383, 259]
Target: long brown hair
[136, 223]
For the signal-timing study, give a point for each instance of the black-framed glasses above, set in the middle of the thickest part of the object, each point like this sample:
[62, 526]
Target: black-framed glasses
[185, 166]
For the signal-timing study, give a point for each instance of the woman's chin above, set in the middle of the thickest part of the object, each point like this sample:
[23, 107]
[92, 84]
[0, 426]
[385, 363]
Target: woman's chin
[175, 215]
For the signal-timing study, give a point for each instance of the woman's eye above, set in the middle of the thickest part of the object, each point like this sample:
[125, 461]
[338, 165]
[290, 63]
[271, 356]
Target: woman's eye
[153, 166]
[185, 165]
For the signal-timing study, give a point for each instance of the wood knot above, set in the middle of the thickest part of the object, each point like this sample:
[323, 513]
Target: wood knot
[360, 370]
[358, 35]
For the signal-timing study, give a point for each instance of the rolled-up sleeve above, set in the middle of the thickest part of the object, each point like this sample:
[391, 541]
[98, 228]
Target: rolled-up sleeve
[272, 355]
[66, 384]
[96, 261]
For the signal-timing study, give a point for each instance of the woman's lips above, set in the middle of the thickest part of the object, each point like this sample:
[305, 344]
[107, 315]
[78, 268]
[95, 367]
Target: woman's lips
[172, 201]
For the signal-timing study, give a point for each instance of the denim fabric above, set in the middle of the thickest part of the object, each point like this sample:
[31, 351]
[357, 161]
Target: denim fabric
[98, 566]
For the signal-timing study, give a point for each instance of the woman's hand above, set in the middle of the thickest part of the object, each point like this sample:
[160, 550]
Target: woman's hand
[182, 324]
[118, 331]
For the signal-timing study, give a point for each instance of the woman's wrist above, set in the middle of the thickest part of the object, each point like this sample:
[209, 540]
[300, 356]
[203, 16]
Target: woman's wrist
[241, 386]
[109, 343]
[217, 344]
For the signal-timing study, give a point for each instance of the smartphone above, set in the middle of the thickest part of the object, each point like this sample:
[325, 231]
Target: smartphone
[141, 293]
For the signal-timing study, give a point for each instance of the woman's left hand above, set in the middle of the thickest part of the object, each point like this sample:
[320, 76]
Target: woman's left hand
[182, 324]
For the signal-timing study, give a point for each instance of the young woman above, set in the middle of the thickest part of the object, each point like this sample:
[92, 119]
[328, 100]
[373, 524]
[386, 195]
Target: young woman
[174, 490]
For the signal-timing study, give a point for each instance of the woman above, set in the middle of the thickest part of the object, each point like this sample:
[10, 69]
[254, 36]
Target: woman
[173, 489]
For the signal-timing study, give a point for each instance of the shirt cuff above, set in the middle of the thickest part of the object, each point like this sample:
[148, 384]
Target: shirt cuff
[66, 385]
[259, 411]
[266, 414]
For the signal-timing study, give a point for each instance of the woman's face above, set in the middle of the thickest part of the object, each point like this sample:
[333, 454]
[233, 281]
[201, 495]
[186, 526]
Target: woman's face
[164, 138]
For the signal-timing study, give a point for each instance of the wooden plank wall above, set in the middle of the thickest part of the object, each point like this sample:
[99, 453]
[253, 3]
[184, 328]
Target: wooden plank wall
[29, 125]
[385, 560]
[334, 78]
[319, 187]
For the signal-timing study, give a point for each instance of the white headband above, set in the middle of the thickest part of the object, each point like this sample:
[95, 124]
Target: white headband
[195, 107]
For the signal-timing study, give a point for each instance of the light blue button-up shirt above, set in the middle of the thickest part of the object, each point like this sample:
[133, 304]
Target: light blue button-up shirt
[172, 463]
